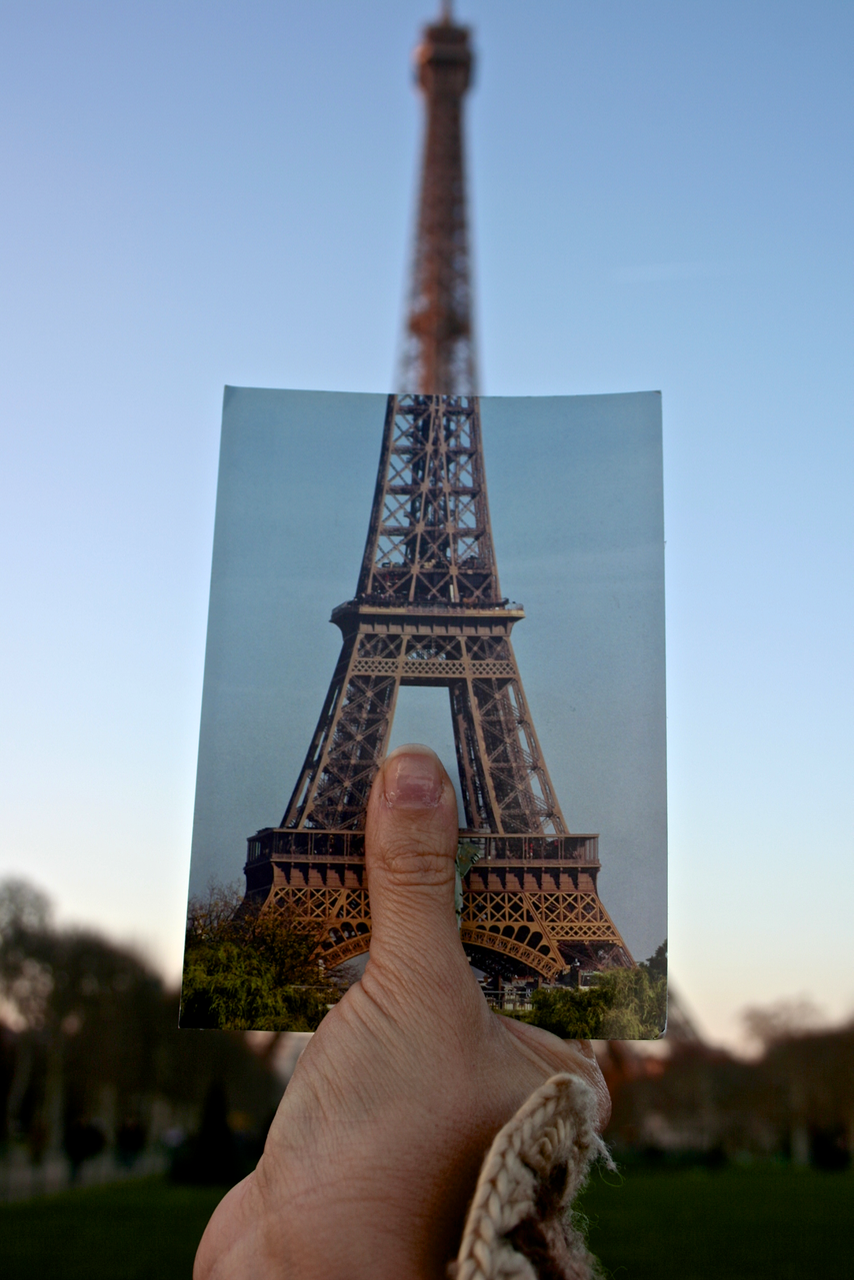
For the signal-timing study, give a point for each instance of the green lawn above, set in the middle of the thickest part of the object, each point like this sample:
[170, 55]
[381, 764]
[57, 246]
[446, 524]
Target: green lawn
[143, 1230]
[741, 1224]
[737, 1223]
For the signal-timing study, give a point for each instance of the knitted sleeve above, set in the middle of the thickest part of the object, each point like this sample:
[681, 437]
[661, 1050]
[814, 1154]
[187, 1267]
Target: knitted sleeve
[519, 1223]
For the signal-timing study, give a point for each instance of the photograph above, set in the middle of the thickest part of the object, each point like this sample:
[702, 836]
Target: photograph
[554, 735]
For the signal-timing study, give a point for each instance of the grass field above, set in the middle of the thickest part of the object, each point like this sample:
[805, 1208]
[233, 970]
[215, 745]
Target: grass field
[738, 1223]
[742, 1224]
[145, 1230]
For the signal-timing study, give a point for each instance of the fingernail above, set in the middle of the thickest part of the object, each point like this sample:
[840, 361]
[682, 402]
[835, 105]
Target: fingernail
[412, 778]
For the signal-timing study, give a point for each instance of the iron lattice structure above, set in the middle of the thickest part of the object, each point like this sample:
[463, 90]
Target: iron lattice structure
[438, 353]
[429, 611]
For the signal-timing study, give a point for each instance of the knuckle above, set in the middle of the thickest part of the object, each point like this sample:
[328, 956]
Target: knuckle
[414, 862]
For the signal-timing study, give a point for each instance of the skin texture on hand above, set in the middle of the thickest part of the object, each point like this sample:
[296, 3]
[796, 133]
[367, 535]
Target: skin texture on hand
[374, 1152]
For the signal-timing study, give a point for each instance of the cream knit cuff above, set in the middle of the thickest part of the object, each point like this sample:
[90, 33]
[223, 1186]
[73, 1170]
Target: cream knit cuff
[519, 1224]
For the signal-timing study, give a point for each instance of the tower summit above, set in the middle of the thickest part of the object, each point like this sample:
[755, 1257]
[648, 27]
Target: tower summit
[438, 352]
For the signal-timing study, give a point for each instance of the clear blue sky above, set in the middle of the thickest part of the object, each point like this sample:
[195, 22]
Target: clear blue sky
[208, 193]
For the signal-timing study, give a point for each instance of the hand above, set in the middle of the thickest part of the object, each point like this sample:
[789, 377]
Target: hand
[375, 1149]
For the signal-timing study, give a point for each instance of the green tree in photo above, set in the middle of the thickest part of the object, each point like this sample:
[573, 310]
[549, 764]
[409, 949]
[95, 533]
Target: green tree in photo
[573, 1013]
[621, 1004]
[638, 1007]
[656, 964]
[247, 969]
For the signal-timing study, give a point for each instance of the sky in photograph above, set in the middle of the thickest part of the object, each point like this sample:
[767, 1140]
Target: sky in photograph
[575, 499]
[200, 194]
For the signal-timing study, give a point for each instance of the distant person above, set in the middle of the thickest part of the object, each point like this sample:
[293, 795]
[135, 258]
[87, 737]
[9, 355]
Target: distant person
[82, 1141]
[378, 1163]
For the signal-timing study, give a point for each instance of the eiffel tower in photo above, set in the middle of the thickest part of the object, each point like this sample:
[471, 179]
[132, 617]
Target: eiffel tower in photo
[428, 610]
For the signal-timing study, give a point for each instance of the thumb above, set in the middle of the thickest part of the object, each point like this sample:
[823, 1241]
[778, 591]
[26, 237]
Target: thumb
[411, 838]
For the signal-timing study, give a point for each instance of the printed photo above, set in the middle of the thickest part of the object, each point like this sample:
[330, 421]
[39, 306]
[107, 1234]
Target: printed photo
[493, 572]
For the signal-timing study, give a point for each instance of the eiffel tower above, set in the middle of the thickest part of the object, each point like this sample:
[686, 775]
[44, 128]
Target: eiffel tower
[428, 611]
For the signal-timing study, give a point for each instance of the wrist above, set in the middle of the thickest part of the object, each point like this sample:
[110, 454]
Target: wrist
[352, 1232]
[385, 1216]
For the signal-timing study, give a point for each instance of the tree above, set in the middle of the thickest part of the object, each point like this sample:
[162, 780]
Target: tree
[26, 982]
[638, 1009]
[621, 1004]
[81, 1007]
[656, 964]
[573, 1013]
[784, 1020]
[248, 969]
[91, 1038]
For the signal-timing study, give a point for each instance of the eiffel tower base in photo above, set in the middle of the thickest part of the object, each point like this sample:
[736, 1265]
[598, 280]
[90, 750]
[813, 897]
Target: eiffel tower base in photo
[428, 611]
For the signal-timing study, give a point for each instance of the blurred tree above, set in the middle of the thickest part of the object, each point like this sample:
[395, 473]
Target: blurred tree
[91, 1037]
[211, 1157]
[795, 1100]
[25, 980]
[806, 1090]
[784, 1020]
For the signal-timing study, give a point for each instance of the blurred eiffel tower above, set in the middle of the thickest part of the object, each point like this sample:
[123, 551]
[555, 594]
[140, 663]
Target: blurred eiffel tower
[428, 610]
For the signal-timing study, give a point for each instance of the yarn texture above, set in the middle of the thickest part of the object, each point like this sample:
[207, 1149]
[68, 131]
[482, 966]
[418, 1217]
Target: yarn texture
[519, 1226]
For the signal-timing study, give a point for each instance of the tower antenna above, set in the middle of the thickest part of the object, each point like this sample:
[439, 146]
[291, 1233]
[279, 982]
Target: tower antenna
[438, 355]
